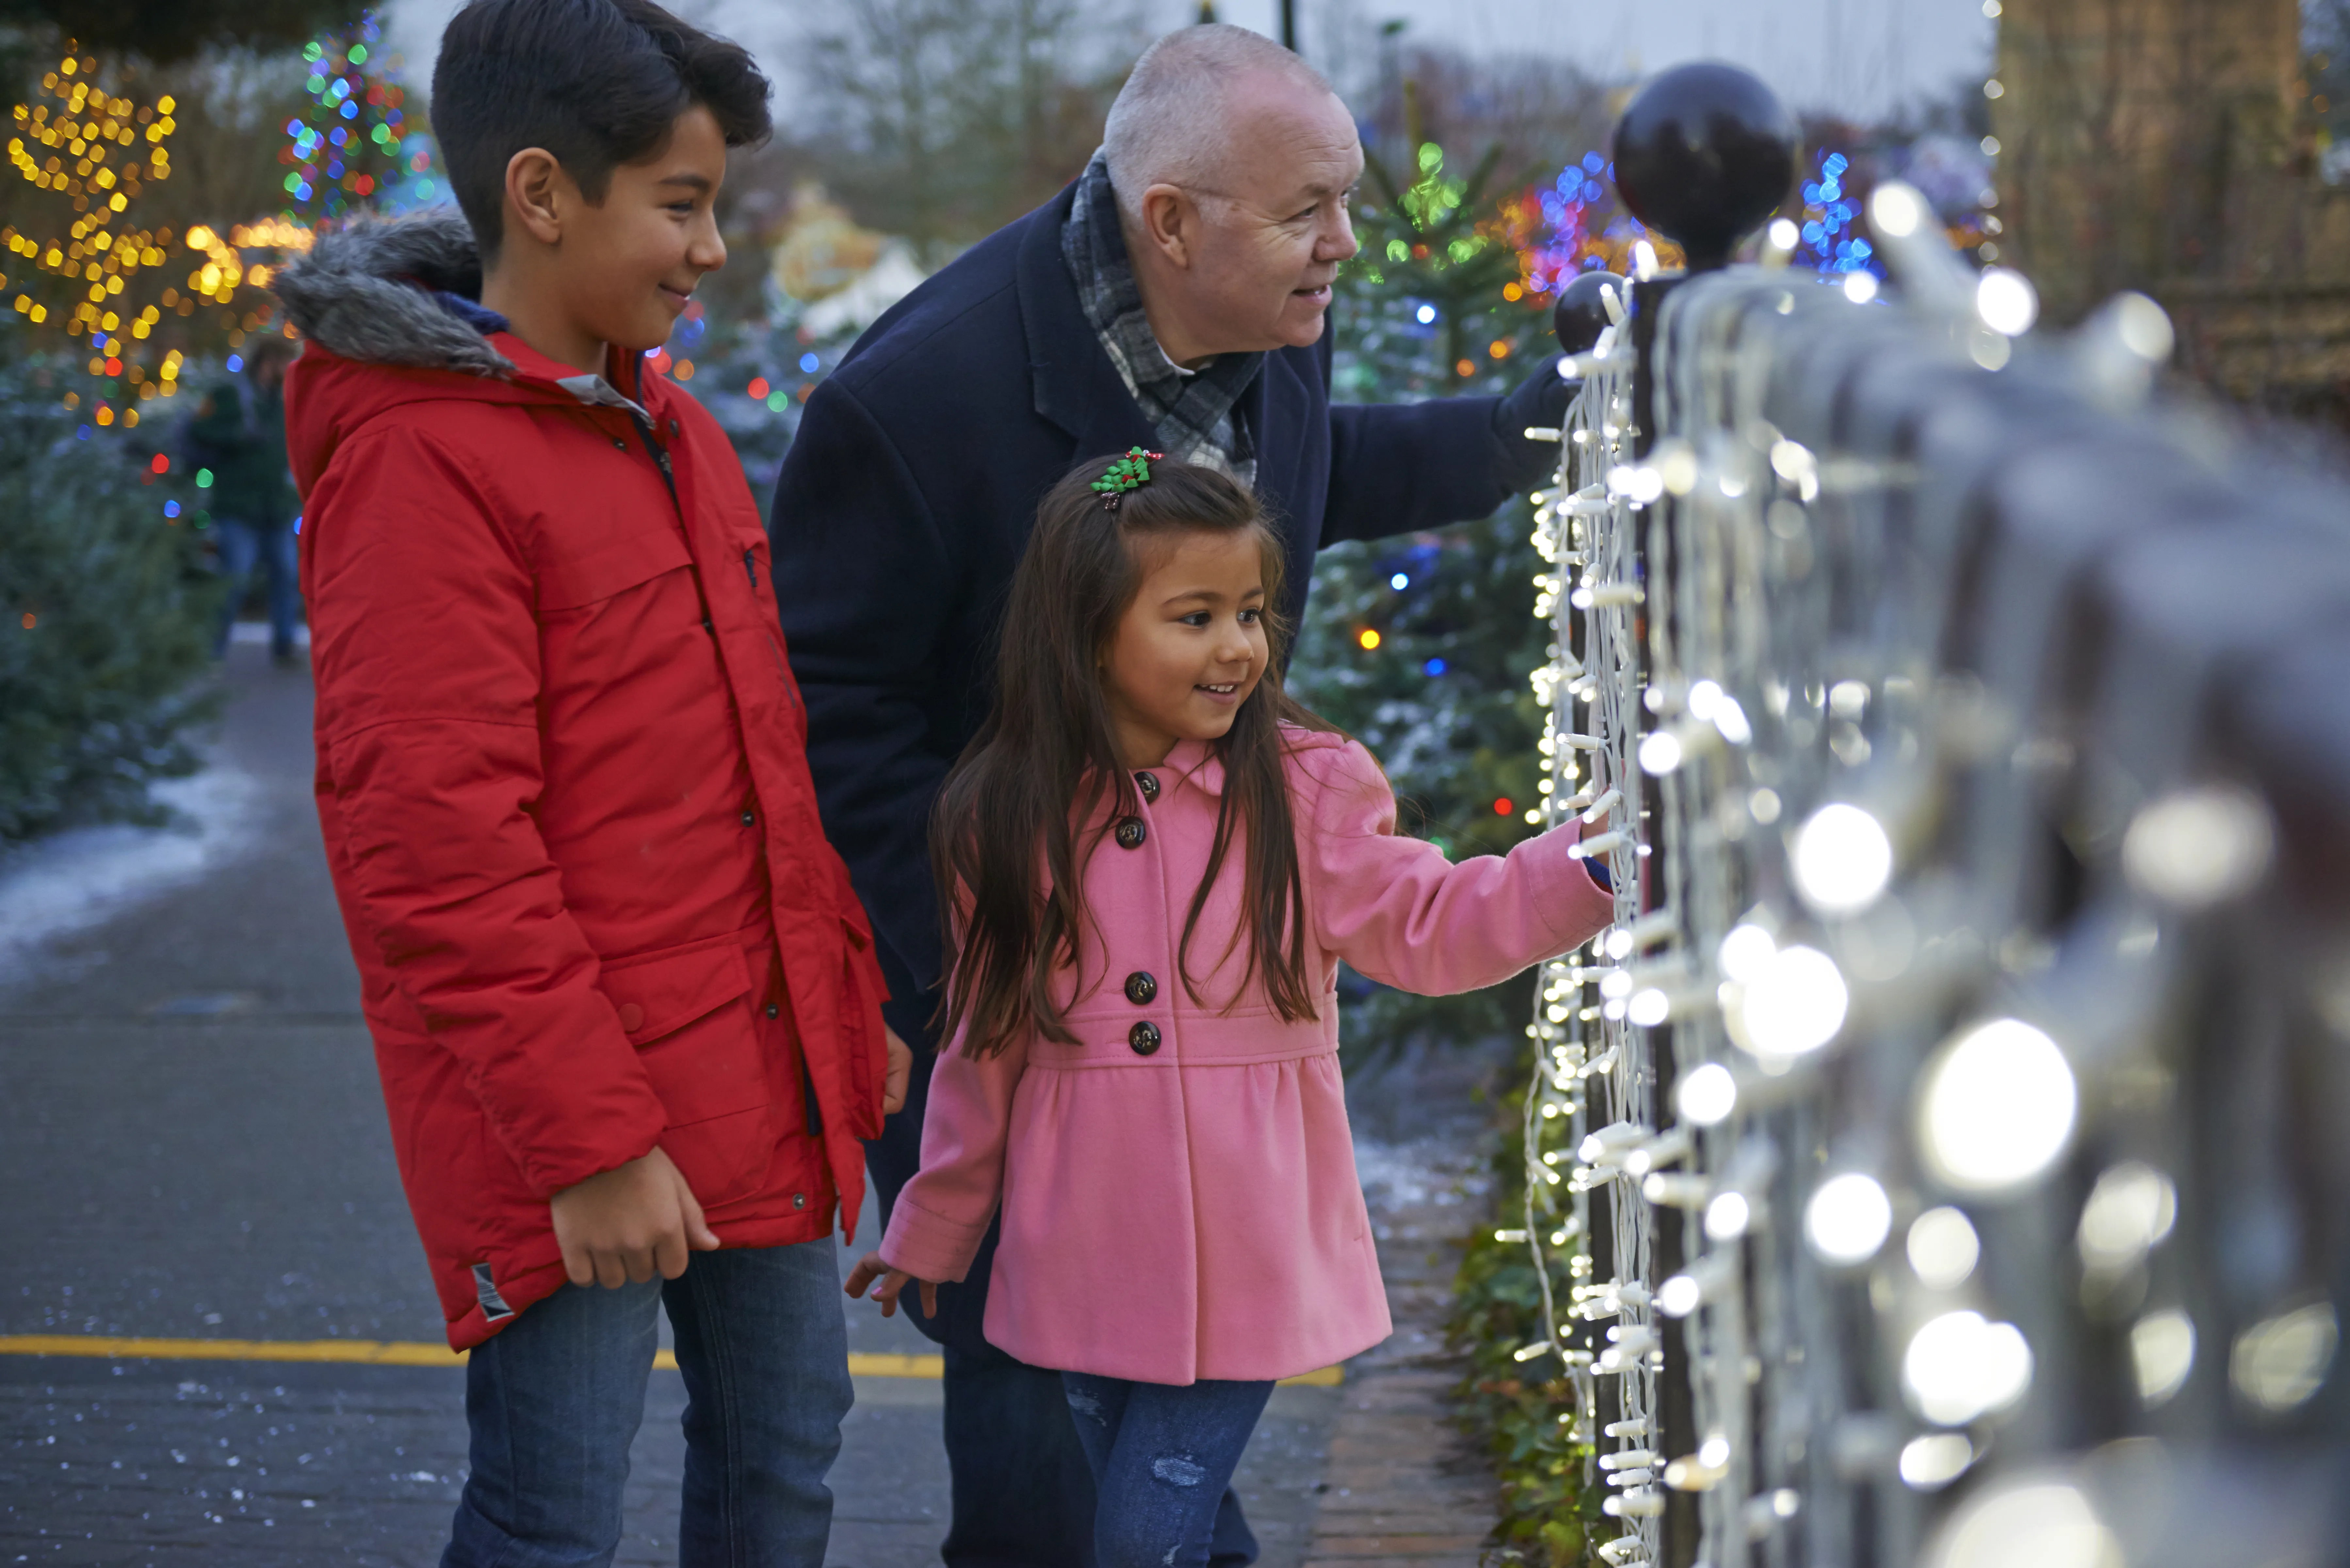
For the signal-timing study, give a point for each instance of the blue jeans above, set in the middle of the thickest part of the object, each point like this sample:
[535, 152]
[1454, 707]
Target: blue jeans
[1162, 1457]
[556, 1399]
[241, 545]
[1023, 1490]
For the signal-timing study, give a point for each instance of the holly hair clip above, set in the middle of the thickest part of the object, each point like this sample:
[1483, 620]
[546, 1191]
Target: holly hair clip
[1131, 471]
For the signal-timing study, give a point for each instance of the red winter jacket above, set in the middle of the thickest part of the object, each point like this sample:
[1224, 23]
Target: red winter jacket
[561, 778]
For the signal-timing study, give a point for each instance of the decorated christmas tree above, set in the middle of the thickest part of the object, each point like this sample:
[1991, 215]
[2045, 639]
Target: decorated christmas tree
[357, 147]
[92, 269]
[1421, 645]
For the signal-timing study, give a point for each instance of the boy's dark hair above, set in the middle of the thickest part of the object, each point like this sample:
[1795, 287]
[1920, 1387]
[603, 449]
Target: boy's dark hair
[597, 83]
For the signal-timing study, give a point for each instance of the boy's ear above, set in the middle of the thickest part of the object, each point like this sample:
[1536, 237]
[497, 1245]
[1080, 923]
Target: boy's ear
[536, 193]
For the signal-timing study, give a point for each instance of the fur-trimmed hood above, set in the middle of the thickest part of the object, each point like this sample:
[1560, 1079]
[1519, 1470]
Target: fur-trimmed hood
[372, 292]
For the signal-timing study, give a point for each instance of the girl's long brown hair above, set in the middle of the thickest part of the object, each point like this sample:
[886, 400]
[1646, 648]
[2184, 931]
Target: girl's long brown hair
[1004, 837]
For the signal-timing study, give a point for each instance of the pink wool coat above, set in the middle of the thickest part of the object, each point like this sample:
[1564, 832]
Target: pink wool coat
[1179, 1191]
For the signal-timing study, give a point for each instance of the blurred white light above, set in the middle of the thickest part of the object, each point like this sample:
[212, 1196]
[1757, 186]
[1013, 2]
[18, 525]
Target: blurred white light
[1619, 944]
[1842, 859]
[1849, 1219]
[1661, 753]
[2279, 1362]
[2129, 1213]
[2006, 301]
[2025, 1524]
[1425, 313]
[1678, 1296]
[1959, 1367]
[1702, 697]
[1896, 210]
[1997, 1106]
[2200, 847]
[1943, 1248]
[1731, 720]
[1727, 1217]
[1784, 235]
[1744, 951]
[1860, 287]
[1400, 582]
[1764, 805]
[1642, 483]
[2162, 1353]
[2144, 327]
[1933, 1461]
[1649, 1008]
[1707, 1095]
[1794, 1003]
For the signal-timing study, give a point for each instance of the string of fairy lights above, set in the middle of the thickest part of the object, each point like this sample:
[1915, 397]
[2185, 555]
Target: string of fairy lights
[1794, 1120]
[145, 295]
[1587, 1105]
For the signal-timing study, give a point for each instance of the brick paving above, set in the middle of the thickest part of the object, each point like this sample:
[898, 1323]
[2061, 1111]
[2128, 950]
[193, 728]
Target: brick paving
[1404, 1488]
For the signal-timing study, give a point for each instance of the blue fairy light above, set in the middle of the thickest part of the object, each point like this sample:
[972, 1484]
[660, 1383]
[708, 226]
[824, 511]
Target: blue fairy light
[1433, 667]
[1400, 582]
[808, 363]
[170, 509]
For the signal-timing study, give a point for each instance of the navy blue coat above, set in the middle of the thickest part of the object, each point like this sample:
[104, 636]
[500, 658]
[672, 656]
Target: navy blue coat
[909, 493]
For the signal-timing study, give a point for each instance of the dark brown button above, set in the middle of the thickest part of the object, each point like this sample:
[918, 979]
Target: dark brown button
[1143, 1037]
[1140, 988]
[1131, 832]
[633, 1017]
[1149, 783]
[749, 817]
[773, 1011]
[799, 1199]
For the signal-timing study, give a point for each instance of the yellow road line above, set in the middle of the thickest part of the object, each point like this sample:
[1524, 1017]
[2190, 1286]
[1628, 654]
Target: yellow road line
[413, 1352]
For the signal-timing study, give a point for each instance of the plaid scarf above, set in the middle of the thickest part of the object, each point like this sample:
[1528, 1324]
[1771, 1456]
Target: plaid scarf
[1190, 412]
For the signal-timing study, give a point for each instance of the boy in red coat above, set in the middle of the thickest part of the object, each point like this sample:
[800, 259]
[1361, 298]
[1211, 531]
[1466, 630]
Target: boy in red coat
[623, 999]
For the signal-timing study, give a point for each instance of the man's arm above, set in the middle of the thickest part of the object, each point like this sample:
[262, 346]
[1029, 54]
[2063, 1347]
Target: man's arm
[1395, 467]
[864, 585]
[426, 653]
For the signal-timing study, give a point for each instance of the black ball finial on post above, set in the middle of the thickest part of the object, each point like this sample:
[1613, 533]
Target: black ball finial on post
[1580, 316]
[1704, 154]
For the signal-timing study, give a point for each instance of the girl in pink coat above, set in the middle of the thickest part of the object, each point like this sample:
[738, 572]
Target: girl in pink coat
[1155, 860]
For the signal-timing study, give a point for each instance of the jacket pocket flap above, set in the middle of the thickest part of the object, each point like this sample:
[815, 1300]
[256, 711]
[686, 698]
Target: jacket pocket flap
[604, 569]
[666, 991]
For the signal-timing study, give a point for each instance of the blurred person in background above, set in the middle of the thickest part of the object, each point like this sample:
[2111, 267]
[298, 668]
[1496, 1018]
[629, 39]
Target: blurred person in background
[1171, 298]
[238, 431]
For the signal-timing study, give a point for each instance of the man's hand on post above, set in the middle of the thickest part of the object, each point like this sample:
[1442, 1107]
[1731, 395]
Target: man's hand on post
[630, 1223]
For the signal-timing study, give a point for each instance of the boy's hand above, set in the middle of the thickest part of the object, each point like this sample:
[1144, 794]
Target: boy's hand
[902, 1067]
[629, 1223]
[870, 1267]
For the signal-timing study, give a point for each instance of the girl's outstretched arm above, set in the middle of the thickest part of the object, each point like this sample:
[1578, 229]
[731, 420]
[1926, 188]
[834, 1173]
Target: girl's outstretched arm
[1400, 913]
[940, 1215]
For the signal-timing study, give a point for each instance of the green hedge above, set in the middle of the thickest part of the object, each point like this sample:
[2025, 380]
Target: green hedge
[1548, 1517]
[106, 610]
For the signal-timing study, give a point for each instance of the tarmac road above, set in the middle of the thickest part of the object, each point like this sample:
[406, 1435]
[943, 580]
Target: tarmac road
[193, 1146]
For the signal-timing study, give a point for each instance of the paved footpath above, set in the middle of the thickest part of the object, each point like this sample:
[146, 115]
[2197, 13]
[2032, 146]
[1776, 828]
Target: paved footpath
[193, 1146]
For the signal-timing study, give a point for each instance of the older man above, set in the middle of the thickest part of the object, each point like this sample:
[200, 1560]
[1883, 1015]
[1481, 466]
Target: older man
[1172, 298]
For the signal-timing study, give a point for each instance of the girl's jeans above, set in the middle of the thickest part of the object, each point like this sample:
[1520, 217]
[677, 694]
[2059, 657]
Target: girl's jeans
[1162, 1458]
[555, 1397]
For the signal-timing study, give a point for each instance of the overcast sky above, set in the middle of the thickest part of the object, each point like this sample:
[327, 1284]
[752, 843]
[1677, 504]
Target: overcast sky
[1859, 58]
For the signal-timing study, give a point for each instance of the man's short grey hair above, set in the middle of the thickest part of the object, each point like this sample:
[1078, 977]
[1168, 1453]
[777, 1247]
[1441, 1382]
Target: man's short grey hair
[1169, 125]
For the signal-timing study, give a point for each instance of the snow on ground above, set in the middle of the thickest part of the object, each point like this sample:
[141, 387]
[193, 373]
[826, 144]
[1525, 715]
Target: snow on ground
[82, 877]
